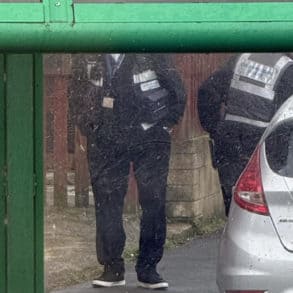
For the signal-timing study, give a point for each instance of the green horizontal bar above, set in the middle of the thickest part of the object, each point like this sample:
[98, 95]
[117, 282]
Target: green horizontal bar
[177, 27]
[183, 12]
[21, 12]
[153, 12]
[152, 37]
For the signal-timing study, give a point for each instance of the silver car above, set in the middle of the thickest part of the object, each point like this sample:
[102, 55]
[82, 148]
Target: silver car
[256, 248]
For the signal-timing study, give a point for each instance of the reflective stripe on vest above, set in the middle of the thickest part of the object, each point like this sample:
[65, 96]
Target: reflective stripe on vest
[257, 81]
[144, 76]
[240, 119]
[258, 72]
[149, 85]
[253, 89]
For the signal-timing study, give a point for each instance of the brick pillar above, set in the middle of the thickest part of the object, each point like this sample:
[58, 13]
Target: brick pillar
[193, 184]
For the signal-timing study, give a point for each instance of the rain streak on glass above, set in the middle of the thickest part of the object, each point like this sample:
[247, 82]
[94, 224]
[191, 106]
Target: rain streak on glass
[144, 153]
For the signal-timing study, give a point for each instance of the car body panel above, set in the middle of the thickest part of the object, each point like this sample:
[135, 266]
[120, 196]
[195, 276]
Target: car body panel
[278, 195]
[253, 258]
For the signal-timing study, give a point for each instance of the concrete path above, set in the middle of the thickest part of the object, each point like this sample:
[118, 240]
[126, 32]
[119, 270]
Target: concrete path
[189, 268]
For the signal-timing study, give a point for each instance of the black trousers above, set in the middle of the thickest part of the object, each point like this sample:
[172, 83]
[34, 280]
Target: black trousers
[230, 169]
[233, 147]
[109, 168]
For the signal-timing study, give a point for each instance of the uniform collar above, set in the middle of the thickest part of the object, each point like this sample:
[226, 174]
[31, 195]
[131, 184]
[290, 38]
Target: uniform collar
[116, 57]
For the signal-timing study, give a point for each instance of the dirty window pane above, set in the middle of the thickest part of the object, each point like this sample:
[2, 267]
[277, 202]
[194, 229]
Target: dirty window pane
[175, 142]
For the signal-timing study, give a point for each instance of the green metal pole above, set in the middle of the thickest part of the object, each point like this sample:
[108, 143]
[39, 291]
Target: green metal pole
[3, 238]
[20, 174]
[39, 173]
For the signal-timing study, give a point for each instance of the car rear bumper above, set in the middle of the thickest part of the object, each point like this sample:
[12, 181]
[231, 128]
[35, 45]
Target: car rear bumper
[251, 256]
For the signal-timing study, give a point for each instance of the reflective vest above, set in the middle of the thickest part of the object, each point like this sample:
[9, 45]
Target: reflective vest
[152, 98]
[251, 97]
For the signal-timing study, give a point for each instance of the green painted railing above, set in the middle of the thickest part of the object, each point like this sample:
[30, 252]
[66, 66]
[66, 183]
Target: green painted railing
[55, 26]
[61, 26]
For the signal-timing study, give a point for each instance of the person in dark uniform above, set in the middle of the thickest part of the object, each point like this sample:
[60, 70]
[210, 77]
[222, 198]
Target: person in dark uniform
[236, 103]
[126, 105]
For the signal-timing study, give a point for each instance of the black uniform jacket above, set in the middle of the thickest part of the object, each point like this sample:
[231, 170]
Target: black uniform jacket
[212, 97]
[126, 114]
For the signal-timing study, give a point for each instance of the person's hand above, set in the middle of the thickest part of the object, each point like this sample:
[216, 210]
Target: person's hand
[146, 126]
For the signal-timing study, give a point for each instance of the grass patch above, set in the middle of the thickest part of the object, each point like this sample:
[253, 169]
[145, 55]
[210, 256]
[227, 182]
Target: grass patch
[208, 226]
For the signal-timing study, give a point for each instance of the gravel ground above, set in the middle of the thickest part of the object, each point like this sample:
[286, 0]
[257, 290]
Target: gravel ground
[70, 255]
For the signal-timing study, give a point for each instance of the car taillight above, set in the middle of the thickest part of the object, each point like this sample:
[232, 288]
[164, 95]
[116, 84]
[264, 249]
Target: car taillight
[248, 192]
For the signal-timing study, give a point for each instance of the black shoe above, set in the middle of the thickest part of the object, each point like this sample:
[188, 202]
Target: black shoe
[109, 279]
[150, 279]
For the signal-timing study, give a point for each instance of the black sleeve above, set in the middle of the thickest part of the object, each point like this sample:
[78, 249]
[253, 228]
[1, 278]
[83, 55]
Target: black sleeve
[170, 80]
[82, 95]
[212, 96]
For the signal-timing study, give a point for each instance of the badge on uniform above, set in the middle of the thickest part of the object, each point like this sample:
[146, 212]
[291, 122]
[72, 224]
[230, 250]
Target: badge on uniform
[108, 102]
